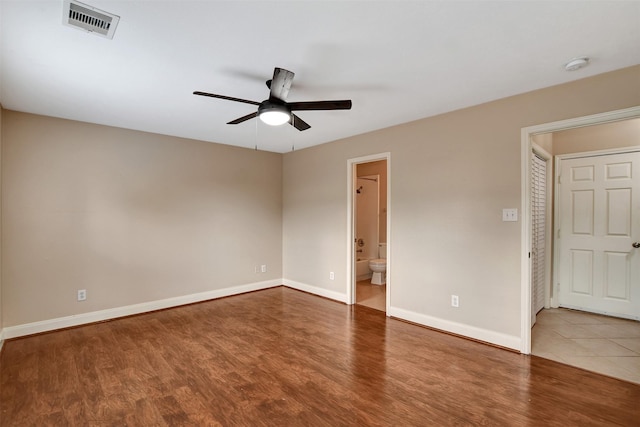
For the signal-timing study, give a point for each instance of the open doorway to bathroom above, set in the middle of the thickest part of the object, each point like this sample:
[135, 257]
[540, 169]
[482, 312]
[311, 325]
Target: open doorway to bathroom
[369, 253]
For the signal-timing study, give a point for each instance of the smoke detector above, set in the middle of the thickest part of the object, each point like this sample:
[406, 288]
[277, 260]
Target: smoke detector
[576, 64]
[89, 18]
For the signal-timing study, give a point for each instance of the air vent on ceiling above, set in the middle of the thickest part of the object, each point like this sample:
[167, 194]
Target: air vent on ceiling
[88, 18]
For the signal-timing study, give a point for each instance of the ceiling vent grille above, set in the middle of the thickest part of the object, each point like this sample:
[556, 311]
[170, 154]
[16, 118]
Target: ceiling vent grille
[88, 18]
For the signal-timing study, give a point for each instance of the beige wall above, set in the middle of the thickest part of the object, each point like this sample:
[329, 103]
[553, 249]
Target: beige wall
[606, 136]
[451, 176]
[544, 141]
[129, 216]
[625, 133]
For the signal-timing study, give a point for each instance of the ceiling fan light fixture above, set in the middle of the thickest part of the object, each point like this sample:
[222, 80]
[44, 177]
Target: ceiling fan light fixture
[273, 114]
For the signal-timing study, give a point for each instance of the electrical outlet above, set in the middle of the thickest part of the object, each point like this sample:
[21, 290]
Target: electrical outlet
[82, 294]
[263, 268]
[332, 275]
[455, 302]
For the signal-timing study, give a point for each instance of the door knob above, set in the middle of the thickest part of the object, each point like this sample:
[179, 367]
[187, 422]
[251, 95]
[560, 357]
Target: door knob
[636, 245]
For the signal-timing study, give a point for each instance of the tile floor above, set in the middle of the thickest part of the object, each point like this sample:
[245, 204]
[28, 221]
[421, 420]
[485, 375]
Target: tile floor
[373, 296]
[597, 343]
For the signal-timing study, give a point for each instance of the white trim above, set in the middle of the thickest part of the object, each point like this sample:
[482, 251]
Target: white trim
[322, 292]
[351, 280]
[596, 119]
[485, 335]
[1, 338]
[525, 240]
[113, 313]
[556, 217]
[525, 229]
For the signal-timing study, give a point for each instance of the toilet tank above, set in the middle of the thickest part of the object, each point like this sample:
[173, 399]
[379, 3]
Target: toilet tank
[382, 250]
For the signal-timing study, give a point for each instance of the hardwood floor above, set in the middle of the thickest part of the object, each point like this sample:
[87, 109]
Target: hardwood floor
[280, 357]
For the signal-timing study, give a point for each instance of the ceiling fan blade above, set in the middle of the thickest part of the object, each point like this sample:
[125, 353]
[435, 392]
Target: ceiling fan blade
[228, 98]
[298, 123]
[280, 84]
[243, 118]
[319, 105]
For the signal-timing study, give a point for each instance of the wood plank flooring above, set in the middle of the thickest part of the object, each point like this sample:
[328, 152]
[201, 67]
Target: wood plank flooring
[280, 357]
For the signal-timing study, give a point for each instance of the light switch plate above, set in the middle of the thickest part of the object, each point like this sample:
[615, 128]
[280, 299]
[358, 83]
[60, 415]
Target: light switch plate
[510, 214]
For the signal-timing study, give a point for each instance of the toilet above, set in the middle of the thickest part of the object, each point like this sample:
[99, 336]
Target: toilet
[379, 266]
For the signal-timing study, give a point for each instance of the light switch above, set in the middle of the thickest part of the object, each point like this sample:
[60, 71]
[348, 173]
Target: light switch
[510, 214]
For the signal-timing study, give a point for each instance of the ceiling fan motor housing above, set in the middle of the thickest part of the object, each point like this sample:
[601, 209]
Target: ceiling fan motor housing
[273, 113]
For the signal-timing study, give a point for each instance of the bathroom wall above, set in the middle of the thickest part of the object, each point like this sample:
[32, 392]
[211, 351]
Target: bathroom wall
[451, 176]
[378, 168]
[131, 217]
[367, 200]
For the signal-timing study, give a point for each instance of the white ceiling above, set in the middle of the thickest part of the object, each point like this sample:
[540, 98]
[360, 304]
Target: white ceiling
[397, 60]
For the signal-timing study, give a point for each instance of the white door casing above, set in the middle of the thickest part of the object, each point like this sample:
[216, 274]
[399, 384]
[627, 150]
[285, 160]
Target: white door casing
[599, 221]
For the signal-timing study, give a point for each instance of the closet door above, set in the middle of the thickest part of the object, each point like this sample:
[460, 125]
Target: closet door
[538, 233]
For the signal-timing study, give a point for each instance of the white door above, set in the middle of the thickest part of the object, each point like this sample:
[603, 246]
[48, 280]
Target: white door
[538, 234]
[599, 225]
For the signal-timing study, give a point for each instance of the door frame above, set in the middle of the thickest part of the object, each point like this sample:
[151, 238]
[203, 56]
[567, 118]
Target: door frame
[525, 199]
[351, 188]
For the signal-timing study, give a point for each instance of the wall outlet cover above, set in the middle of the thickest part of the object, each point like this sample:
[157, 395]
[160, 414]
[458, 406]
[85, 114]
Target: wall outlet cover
[455, 301]
[510, 214]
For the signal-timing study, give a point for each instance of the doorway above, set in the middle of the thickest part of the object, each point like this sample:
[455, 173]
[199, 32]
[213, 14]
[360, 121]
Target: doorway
[527, 150]
[368, 236]
[566, 330]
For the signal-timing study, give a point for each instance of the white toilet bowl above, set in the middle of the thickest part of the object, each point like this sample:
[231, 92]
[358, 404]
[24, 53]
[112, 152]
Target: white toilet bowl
[379, 268]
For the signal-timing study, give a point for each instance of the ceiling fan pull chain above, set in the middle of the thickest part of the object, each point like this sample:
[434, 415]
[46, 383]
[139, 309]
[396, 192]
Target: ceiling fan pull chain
[256, 140]
[293, 122]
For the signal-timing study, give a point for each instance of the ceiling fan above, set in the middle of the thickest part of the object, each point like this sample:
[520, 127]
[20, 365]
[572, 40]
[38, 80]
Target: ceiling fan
[276, 110]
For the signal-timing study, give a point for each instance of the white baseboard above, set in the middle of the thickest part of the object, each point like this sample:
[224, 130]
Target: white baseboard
[488, 336]
[315, 290]
[497, 338]
[113, 313]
